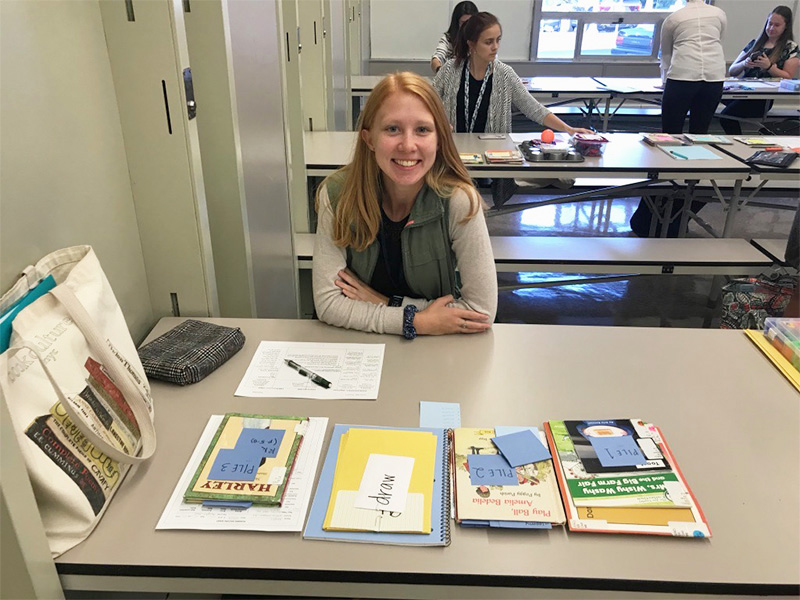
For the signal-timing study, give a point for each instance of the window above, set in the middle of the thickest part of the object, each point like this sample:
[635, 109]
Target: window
[586, 30]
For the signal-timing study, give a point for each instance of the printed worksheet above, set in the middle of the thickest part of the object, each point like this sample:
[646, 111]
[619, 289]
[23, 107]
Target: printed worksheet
[287, 517]
[314, 370]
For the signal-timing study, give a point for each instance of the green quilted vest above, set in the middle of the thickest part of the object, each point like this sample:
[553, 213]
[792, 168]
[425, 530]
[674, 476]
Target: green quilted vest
[428, 259]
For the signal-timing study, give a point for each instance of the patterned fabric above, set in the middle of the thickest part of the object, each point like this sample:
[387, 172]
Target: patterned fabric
[507, 89]
[789, 51]
[444, 49]
[189, 352]
[746, 303]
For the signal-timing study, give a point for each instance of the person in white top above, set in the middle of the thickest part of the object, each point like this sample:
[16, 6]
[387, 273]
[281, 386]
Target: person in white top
[692, 66]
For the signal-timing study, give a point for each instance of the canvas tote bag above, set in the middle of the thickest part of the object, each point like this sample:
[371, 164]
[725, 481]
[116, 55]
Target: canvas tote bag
[78, 397]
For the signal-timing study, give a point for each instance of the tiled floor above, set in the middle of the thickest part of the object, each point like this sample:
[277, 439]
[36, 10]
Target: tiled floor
[643, 300]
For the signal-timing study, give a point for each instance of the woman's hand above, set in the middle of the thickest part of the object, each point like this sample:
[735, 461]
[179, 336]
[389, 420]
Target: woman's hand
[355, 289]
[762, 62]
[573, 130]
[439, 319]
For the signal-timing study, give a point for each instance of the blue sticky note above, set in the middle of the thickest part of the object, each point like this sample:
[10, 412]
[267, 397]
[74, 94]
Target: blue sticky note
[617, 451]
[505, 430]
[262, 442]
[490, 469]
[521, 448]
[440, 414]
[233, 464]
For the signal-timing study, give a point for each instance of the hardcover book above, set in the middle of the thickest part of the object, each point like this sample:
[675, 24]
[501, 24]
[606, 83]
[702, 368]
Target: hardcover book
[707, 138]
[249, 459]
[755, 142]
[504, 156]
[662, 139]
[653, 501]
[470, 158]
[534, 498]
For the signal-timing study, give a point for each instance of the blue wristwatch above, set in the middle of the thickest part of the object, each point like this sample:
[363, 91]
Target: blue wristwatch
[409, 331]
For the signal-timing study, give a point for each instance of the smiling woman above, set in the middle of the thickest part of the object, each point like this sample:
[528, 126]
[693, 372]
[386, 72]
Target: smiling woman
[397, 221]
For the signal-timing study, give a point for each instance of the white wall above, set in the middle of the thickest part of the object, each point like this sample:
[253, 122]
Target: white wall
[409, 29]
[64, 172]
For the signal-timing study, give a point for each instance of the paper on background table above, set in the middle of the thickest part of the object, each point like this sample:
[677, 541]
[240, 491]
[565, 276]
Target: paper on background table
[354, 371]
[690, 152]
[440, 414]
[288, 517]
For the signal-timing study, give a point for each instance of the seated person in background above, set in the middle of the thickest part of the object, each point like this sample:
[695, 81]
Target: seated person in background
[444, 49]
[478, 90]
[396, 222]
[772, 54]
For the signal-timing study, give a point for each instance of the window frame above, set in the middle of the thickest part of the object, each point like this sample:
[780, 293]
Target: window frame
[584, 18]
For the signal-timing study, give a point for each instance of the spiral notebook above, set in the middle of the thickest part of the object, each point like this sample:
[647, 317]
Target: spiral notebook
[439, 507]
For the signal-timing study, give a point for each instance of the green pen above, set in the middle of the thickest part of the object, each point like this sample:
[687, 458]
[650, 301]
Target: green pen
[676, 155]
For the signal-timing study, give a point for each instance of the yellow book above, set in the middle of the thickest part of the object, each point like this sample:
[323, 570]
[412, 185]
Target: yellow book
[635, 515]
[783, 365]
[354, 451]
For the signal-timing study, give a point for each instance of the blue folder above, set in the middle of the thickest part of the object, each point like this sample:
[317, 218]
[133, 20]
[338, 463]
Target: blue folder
[440, 505]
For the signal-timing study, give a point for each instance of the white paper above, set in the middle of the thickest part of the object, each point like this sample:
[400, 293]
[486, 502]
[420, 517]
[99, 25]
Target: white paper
[288, 517]
[354, 371]
[347, 516]
[384, 484]
[650, 449]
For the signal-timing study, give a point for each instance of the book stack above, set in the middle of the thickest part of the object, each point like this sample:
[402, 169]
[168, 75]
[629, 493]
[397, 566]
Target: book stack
[504, 479]
[508, 157]
[619, 476]
[384, 486]
[780, 342]
[248, 462]
[662, 139]
[755, 142]
[707, 138]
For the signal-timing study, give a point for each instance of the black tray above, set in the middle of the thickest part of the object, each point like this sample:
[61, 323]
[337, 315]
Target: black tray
[533, 153]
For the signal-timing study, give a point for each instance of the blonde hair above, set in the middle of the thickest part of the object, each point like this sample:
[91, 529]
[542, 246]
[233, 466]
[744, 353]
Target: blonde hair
[357, 214]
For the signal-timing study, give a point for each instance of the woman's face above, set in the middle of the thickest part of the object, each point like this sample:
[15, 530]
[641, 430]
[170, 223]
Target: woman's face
[488, 44]
[775, 26]
[404, 140]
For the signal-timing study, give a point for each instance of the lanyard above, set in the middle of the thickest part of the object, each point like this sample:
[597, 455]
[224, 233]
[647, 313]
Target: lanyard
[470, 123]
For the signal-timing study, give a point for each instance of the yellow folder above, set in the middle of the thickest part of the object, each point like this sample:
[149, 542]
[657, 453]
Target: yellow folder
[358, 444]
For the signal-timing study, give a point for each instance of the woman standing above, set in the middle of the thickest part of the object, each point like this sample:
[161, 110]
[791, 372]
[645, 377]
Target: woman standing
[772, 54]
[396, 222]
[478, 90]
[444, 49]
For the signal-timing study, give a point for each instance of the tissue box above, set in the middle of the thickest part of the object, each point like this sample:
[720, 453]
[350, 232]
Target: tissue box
[793, 85]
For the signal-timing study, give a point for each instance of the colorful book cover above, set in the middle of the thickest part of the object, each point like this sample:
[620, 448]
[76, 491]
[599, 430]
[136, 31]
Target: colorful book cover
[662, 139]
[470, 158]
[755, 142]
[533, 499]
[250, 459]
[707, 138]
[355, 449]
[657, 507]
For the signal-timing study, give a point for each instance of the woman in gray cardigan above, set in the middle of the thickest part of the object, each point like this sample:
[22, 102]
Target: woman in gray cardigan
[491, 86]
[477, 91]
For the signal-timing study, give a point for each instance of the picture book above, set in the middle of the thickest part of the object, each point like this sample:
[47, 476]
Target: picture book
[249, 459]
[503, 156]
[707, 138]
[755, 142]
[766, 158]
[358, 447]
[662, 139]
[436, 502]
[653, 501]
[470, 158]
[494, 492]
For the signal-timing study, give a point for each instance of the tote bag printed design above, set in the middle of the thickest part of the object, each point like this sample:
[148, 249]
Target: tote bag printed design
[77, 394]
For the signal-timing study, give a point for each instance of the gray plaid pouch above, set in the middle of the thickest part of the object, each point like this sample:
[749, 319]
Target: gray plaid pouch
[190, 351]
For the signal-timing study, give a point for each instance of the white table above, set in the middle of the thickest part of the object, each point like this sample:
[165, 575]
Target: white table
[731, 419]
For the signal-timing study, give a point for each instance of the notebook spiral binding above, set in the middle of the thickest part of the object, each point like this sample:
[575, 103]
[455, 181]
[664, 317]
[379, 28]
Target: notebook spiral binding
[447, 440]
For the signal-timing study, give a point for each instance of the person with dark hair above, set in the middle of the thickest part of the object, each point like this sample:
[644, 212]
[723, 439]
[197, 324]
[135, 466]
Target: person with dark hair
[477, 89]
[773, 54]
[444, 49]
[402, 245]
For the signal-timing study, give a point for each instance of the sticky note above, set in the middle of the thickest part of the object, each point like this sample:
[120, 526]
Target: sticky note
[264, 442]
[440, 414]
[232, 464]
[490, 469]
[384, 485]
[521, 448]
[617, 451]
[505, 430]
